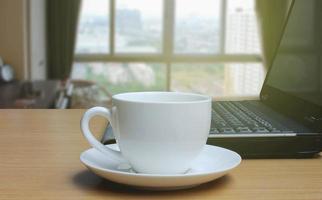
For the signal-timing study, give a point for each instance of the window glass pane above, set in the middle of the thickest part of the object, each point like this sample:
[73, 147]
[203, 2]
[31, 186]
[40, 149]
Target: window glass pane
[93, 27]
[198, 78]
[197, 26]
[241, 28]
[123, 77]
[218, 79]
[138, 26]
[244, 79]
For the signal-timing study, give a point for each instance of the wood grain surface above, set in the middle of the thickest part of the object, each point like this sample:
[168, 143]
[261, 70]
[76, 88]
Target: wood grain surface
[39, 159]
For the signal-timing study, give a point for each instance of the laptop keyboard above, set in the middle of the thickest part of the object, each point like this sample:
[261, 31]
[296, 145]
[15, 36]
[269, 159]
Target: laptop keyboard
[231, 117]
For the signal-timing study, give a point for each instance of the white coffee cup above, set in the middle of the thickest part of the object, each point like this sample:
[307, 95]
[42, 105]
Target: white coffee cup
[157, 132]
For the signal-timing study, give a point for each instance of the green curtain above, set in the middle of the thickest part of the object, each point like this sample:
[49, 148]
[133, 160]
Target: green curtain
[62, 20]
[271, 17]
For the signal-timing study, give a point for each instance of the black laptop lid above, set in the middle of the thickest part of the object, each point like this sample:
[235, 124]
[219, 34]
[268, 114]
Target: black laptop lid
[294, 83]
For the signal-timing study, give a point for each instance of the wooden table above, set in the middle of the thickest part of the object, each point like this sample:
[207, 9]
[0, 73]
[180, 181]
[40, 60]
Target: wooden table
[39, 159]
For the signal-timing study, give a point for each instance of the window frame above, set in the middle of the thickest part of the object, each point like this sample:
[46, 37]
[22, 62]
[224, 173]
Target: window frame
[167, 54]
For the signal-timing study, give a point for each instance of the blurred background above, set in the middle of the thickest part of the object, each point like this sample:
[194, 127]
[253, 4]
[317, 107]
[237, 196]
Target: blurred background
[78, 53]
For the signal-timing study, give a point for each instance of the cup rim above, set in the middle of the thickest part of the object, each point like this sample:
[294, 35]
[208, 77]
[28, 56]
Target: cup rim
[203, 98]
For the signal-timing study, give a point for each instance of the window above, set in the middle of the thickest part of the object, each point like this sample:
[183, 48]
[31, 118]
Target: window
[138, 26]
[207, 46]
[124, 77]
[241, 28]
[93, 32]
[197, 26]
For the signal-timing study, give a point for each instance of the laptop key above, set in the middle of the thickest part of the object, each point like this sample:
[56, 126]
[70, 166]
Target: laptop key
[288, 131]
[236, 126]
[243, 130]
[260, 130]
[221, 125]
[214, 131]
[274, 130]
[226, 130]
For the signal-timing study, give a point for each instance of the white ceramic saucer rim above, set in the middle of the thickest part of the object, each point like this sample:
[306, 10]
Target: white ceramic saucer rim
[89, 164]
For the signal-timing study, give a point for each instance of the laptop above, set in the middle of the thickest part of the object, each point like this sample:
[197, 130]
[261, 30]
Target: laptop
[286, 122]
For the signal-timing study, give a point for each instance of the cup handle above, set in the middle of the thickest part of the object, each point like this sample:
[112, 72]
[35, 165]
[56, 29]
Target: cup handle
[107, 113]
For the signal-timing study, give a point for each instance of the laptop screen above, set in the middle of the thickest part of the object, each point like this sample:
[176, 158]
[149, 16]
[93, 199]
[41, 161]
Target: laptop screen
[295, 77]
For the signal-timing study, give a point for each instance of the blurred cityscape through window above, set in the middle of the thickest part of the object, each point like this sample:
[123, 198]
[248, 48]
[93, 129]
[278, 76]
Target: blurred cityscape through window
[144, 45]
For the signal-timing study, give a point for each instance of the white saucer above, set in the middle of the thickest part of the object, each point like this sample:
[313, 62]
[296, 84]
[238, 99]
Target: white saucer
[212, 163]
